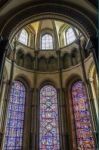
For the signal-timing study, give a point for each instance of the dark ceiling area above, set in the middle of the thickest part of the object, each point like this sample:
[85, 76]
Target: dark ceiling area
[94, 2]
[3, 2]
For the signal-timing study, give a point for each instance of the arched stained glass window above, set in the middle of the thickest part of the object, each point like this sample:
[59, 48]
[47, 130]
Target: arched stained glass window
[23, 38]
[49, 130]
[47, 41]
[70, 36]
[83, 125]
[15, 118]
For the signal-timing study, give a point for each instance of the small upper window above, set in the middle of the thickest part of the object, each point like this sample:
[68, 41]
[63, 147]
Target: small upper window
[70, 36]
[47, 41]
[23, 38]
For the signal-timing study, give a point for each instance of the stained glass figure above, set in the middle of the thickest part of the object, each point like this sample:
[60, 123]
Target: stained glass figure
[15, 118]
[47, 41]
[85, 139]
[49, 131]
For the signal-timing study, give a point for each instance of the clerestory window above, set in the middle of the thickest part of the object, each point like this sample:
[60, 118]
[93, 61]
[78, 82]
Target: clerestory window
[23, 38]
[47, 41]
[70, 36]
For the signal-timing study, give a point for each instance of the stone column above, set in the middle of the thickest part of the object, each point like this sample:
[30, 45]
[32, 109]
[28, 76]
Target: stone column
[95, 107]
[32, 132]
[3, 51]
[2, 110]
[62, 107]
[27, 136]
[35, 121]
[35, 107]
[9, 84]
[2, 97]
[94, 95]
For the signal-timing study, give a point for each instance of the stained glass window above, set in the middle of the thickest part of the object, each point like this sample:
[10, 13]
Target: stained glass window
[23, 38]
[70, 36]
[47, 41]
[15, 118]
[83, 125]
[49, 131]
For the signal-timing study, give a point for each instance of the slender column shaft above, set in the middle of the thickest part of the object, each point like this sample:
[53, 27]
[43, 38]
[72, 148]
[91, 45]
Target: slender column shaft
[9, 85]
[34, 128]
[2, 104]
[62, 107]
[94, 96]
[27, 138]
[2, 110]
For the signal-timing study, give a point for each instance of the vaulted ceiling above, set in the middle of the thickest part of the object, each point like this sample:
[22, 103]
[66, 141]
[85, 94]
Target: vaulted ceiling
[14, 11]
[7, 5]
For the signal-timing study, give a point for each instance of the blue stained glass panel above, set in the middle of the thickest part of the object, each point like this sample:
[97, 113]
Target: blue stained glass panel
[85, 139]
[15, 118]
[49, 128]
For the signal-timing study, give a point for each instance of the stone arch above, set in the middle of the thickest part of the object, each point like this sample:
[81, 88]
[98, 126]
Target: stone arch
[85, 23]
[24, 79]
[48, 81]
[67, 62]
[28, 60]
[20, 57]
[52, 64]
[75, 56]
[70, 80]
[42, 64]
